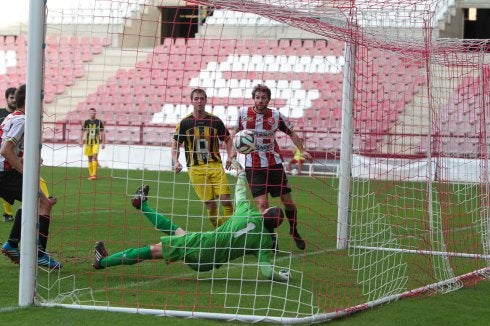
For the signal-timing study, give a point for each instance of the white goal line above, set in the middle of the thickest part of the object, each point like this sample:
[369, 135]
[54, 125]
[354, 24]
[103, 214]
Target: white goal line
[425, 252]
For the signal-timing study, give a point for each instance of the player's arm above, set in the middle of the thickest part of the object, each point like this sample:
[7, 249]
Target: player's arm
[241, 188]
[175, 156]
[230, 151]
[102, 135]
[267, 270]
[8, 152]
[299, 145]
[82, 134]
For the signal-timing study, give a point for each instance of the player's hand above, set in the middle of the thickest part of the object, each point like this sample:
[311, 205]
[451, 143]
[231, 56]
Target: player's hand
[228, 164]
[235, 165]
[307, 156]
[52, 200]
[177, 167]
[284, 275]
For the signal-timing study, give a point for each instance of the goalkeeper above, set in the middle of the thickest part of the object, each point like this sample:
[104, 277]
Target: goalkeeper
[244, 233]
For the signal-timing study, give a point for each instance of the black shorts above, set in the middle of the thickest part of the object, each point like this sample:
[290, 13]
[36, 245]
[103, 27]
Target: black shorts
[11, 186]
[272, 180]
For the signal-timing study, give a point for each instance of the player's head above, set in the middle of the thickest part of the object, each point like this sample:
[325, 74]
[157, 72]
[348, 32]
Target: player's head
[10, 97]
[199, 91]
[199, 98]
[20, 97]
[261, 95]
[273, 217]
[92, 113]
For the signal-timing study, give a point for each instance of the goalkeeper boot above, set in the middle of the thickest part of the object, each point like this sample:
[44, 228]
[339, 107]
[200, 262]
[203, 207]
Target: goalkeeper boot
[99, 253]
[300, 243]
[140, 196]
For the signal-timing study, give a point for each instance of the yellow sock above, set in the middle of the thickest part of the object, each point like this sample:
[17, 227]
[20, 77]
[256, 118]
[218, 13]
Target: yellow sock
[227, 212]
[90, 169]
[7, 208]
[94, 167]
[213, 217]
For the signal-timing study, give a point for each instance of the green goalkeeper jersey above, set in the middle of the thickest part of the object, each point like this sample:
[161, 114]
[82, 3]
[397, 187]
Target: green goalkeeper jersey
[242, 234]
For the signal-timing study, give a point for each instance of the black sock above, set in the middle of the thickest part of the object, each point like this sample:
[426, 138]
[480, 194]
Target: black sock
[43, 233]
[14, 237]
[291, 216]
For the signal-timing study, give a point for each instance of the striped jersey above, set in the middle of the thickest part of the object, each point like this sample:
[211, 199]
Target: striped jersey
[264, 126]
[201, 138]
[12, 129]
[92, 129]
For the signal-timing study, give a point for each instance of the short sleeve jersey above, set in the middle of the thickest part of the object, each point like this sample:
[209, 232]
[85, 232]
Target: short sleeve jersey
[12, 129]
[264, 126]
[201, 138]
[92, 130]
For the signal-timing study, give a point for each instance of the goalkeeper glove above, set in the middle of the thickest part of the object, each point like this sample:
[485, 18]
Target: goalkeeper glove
[283, 275]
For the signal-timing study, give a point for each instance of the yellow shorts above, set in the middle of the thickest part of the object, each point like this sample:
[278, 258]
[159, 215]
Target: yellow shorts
[91, 150]
[209, 180]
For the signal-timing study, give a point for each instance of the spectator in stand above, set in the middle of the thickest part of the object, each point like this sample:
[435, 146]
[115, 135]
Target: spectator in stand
[11, 176]
[92, 137]
[298, 159]
[201, 132]
[264, 166]
[8, 210]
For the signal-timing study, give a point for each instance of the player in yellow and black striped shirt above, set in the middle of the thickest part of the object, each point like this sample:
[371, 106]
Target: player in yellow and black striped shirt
[201, 133]
[92, 136]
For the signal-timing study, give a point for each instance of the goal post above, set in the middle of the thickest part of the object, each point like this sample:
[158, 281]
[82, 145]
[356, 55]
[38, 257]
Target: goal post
[372, 88]
[30, 185]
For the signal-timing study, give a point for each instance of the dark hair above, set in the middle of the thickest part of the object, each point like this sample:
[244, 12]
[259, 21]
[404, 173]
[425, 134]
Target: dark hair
[273, 217]
[10, 90]
[261, 88]
[20, 96]
[200, 91]
[92, 109]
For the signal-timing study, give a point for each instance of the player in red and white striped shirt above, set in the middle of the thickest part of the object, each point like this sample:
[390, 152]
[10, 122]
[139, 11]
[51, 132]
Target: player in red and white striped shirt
[264, 166]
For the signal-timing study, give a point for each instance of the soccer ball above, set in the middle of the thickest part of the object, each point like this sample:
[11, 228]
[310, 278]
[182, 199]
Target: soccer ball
[244, 141]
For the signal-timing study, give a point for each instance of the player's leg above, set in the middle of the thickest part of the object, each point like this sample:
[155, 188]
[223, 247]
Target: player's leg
[257, 181]
[45, 205]
[291, 212]
[278, 187]
[198, 178]
[95, 160]
[129, 256]
[161, 222]
[87, 151]
[8, 211]
[221, 188]
[11, 190]
[300, 166]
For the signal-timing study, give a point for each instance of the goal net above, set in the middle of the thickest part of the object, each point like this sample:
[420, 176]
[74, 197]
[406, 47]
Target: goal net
[395, 202]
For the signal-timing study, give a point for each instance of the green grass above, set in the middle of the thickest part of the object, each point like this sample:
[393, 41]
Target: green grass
[323, 278]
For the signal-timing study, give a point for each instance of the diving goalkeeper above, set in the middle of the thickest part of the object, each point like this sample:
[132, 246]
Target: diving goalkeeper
[246, 232]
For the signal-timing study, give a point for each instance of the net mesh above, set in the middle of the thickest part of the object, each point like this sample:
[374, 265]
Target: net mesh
[418, 196]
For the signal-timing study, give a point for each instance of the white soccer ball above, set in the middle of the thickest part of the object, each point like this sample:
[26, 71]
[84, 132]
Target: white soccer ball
[294, 172]
[244, 141]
